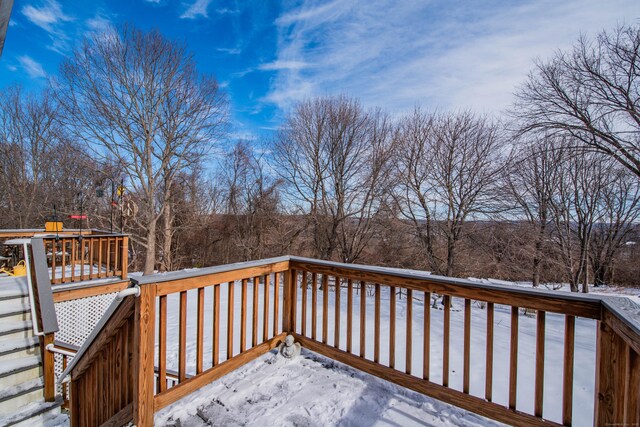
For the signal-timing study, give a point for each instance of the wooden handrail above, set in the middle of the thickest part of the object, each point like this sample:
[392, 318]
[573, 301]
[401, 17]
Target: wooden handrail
[279, 287]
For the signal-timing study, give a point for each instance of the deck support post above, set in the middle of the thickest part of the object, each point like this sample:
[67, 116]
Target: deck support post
[143, 375]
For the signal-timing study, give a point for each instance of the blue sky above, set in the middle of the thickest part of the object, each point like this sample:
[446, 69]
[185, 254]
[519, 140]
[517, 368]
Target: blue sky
[268, 55]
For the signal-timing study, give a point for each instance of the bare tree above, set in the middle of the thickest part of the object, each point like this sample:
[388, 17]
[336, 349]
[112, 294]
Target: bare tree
[137, 98]
[531, 181]
[29, 132]
[582, 177]
[591, 94]
[334, 156]
[618, 211]
[447, 166]
[252, 202]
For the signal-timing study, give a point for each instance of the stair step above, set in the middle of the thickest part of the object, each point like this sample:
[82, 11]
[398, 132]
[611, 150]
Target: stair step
[18, 348]
[20, 395]
[16, 371]
[13, 287]
[13, 306]
[32, 414]
[15, 329]
[15, 314]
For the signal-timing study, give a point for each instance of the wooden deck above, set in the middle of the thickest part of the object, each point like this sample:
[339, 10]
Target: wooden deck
[291, 285]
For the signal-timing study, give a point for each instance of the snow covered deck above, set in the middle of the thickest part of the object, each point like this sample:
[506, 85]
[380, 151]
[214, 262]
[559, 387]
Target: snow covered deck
[515, 355]
[310, 390]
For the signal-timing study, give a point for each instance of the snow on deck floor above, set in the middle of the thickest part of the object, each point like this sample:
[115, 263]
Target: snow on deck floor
[310, 390]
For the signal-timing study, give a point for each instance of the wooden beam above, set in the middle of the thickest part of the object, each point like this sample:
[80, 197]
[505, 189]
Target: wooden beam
[183, 284]
[538, 300]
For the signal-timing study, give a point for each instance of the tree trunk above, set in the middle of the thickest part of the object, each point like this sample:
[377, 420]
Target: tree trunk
[166, 264]
[150, 258]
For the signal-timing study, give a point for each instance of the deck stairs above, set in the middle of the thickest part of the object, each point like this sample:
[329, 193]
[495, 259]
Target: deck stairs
[22, 400]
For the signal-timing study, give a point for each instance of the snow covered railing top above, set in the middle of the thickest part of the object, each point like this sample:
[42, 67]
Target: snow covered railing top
[379, 320]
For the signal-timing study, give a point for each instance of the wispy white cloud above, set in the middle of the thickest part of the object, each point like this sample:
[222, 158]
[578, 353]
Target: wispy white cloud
[441, 55]
[50, 17]
[196, 9]
[12, 23]
[229, 51]
[31, 67]
[99, 23]
[46, 16]
[283, 65]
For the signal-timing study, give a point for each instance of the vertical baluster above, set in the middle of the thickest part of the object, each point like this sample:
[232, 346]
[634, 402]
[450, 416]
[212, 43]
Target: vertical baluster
[230, 320]
[294, 299]
[162, 345]
[265, 311]
[100, 259]
[276, 302]
[182, 348]
[539, 382]
[54, 248]
[254, 326]
[82, 243]
[445, 340]
[74, 259]
[488, 385]
[567, 383]
[63, 274]
[336, 337]
[305, 285]
[376, 324]
[91, 255]
[513, 359]
[349, 314]
[467, 345]
[200, 332]
[216, 325]
[363, 317]
[409, 331]
[243, 316]
[426, 336]
[314, 308]
[325, 307]
[116, 252]
[108, 263]
[65, 396]
[392, 326]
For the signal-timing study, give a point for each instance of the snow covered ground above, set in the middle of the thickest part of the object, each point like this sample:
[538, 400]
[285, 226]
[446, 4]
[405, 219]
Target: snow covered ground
[584, 366]
[310, 390]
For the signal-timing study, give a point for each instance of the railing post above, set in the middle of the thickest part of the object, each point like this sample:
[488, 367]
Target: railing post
[124, 257]
[287, 297]
[611, 369]
[48, 365]
[144, 344]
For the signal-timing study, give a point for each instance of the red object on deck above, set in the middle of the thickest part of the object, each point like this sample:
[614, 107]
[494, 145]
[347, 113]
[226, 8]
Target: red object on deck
[77, 216]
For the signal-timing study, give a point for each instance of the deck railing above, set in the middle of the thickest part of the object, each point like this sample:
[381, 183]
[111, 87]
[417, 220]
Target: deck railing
[336, 310]
[80, 255]
[79, 258]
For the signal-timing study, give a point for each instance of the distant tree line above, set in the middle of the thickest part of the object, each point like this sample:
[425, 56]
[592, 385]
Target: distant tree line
[550, 193]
